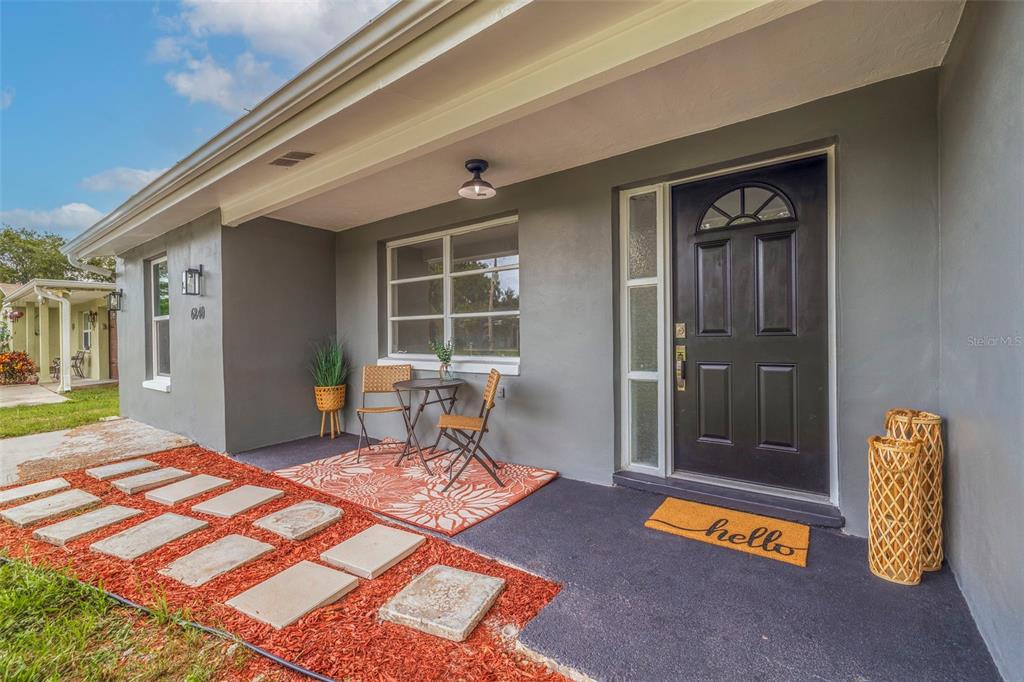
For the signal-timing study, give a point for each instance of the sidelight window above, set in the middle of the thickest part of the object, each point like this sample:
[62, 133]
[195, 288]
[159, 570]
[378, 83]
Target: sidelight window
[461, 284]
[643, 318]
[746, 205]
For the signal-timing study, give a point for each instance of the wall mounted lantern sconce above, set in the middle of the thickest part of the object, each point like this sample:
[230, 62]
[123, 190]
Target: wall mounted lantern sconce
[477, 188]
[114, 301]
[192, 282]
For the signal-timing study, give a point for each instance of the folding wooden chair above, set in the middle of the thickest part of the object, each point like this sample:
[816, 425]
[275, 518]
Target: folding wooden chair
[382, 379]
[468, 435]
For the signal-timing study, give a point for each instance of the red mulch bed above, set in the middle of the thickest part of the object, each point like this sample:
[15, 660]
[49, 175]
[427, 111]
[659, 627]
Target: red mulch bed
[344, 640]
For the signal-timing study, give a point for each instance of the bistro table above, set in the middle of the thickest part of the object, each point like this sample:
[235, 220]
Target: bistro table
[443, 389]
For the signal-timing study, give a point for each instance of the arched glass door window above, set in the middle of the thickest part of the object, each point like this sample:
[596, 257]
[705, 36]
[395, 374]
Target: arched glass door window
[746, 205]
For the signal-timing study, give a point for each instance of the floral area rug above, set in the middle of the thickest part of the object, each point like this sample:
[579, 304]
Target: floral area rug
[409, 494]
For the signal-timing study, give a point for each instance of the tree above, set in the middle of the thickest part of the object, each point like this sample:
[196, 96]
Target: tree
[26, 254]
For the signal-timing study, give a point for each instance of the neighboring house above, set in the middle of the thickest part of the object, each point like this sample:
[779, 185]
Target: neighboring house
[63, 325]
[819, 201]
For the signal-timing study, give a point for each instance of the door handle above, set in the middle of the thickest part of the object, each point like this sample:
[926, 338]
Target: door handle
[680, 368]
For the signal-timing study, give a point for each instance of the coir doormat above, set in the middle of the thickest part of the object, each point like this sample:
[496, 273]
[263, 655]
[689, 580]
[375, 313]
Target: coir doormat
[750, 533]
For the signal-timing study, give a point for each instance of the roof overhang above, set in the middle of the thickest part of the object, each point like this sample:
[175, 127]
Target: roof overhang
[77, 291]
[537, 86]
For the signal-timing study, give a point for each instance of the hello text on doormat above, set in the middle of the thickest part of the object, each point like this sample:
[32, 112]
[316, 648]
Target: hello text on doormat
[750, 533]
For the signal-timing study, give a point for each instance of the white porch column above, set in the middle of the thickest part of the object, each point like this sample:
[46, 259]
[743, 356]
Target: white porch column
[43, 312]
[65, 335]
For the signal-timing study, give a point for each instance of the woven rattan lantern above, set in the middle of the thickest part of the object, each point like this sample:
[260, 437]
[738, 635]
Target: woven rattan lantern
[894, 509]
[926, 427]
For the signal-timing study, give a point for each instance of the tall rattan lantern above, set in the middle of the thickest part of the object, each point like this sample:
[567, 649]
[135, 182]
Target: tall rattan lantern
[894, 509]
[926, 427]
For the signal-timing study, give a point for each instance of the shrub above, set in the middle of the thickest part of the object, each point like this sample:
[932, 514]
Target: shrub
[16, 367]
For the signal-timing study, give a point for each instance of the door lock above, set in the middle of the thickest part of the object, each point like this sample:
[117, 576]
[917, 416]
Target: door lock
[680, 368]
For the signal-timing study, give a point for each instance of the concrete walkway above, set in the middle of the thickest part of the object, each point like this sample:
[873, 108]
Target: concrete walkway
[41, 454]
[28, 394]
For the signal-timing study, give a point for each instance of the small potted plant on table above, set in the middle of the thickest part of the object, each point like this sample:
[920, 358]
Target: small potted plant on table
[329, 370]
[444, 352]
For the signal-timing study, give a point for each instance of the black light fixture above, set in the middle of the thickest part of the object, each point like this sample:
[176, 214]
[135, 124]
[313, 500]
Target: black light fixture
[192, 282]
[477, 188]
[114, 300]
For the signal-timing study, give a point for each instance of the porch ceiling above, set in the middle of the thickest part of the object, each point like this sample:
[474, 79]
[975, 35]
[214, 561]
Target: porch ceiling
[819, 51]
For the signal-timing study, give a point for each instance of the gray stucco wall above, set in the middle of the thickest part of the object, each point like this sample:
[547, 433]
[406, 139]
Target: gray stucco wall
[195, 405]
[278, 300]
[981, 115]
[561, 412]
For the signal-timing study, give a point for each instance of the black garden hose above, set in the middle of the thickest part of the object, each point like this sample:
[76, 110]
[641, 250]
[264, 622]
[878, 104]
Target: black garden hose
[213, 631]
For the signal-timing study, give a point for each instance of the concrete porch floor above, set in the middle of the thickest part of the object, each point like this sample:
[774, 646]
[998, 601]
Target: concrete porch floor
[638, 604]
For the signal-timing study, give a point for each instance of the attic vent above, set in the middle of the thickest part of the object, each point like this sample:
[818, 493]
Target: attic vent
[291, 158]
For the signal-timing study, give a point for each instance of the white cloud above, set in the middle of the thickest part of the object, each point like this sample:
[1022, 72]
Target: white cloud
[168, 49]
[121, 178]
[68, 219]
[6, 97]
[241, 87]
[296, 30]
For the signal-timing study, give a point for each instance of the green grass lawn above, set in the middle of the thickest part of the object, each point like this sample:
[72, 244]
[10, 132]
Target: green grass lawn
[84, 406]
[53, 627]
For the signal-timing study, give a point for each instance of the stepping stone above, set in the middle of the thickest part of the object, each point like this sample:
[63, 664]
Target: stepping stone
[217, 558]
[186, 489]
[147, 536]
[49, 507]
[282, 599]
[64, 532]
[23, 491]
[444, 601]
[373, 551]
[120, 468]
[149, 480]
[241, 499]
[301, 520]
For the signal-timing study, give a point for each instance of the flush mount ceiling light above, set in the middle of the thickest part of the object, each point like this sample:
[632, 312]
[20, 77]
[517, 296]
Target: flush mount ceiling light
[477, 188]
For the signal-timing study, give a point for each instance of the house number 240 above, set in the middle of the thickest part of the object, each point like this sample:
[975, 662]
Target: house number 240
[199, 313]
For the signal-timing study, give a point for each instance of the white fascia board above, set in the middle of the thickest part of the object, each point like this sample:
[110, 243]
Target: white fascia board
[662, 32]
[398, 25]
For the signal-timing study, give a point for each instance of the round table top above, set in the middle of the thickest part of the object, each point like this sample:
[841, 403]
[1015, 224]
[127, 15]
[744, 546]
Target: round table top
[428, 384]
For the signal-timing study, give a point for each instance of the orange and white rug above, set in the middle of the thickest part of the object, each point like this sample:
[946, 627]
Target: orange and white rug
[409, 494]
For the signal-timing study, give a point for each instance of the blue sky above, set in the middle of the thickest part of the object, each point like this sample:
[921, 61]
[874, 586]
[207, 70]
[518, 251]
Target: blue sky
[97, 98]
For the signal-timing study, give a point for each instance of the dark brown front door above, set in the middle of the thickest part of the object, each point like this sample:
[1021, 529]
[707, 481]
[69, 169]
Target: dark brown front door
[750, 268]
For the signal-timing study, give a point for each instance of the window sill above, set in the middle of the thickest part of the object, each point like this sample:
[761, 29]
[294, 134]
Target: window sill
[161, 384]
[507, 367]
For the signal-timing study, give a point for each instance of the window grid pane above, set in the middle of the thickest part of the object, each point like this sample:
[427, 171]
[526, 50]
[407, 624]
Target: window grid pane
[643, 422]
[468, 291]
[643, 329]
[643, 234]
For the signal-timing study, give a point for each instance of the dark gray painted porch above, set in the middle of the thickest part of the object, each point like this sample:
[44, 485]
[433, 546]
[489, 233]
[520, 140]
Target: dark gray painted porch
[638, 604]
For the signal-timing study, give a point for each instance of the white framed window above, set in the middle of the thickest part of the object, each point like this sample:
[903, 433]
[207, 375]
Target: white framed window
[642, 319]
[160, 324]
[86, 330]
[460, 285]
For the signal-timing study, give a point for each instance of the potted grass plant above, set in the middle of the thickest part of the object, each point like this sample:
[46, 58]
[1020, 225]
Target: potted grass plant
[329, 370]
